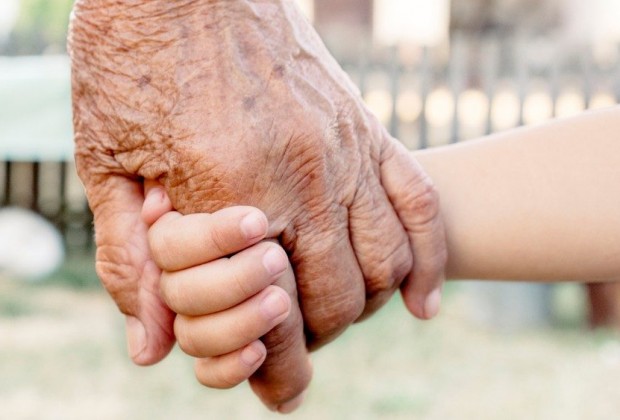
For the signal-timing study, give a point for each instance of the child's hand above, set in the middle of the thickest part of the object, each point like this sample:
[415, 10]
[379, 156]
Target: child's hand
[225, 304]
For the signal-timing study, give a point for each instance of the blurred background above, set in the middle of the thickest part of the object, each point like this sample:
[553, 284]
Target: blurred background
[434, 72]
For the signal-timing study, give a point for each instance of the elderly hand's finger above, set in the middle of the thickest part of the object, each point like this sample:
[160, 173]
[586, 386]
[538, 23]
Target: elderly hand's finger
[217, 235]
[381, 245]
[126, 269]
[281, 380]
[329, 281]
[415, 200]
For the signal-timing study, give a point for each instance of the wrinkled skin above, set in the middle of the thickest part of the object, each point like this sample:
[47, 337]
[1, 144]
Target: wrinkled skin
[238, 102]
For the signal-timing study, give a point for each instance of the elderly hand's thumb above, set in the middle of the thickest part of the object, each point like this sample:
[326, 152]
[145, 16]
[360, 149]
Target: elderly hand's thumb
[416, 202]
[125, 267]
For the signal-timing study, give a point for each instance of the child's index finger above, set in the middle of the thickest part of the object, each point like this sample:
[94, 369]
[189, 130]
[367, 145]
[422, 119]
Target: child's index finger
[224, 283]
[178, 242]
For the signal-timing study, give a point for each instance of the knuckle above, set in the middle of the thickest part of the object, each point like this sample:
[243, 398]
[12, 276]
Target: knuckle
[227, 379]
[384, 271]
[351, 310]
[303, 162]
[171, 292]
[388, 269]
[215, 377]
[163, 239]
[385, 260]
[279, 341]
[219, 240]
[158, 244]
[202, 375]
[421, 202]
[327, 322]
[185, 338]
[240, 285]
[402, 265]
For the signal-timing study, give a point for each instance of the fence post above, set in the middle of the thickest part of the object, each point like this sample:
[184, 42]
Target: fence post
[604, 299]
[424, 88]
[394, 88]
[7, 183]
[34, 204]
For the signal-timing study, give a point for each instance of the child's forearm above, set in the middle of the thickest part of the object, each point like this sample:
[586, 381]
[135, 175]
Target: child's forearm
[540, 203]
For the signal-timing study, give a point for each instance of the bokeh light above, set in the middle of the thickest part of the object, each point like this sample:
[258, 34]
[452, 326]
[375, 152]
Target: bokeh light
[537, 108]
[440, 107]
[380, 103]
[423, 22]
[602, 100]
[473, 107]
[569, 102]
[409, 106]
[505, 110]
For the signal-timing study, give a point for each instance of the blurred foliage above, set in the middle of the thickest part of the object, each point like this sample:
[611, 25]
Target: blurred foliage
[14, 308]
[78, 271]
[41, 27]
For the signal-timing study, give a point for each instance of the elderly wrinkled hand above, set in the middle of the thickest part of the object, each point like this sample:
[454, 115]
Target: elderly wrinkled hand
[238, 102]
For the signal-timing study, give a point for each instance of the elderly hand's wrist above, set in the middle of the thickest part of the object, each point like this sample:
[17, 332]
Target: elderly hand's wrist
[164, 8]
[130, 24]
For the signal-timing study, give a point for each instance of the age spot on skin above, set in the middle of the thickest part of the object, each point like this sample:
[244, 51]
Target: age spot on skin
[249, 103]
[185, 32]
[278, 71]
[144, 81]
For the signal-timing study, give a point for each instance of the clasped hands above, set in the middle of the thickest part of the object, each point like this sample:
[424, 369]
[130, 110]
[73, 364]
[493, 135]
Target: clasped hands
[239, 103]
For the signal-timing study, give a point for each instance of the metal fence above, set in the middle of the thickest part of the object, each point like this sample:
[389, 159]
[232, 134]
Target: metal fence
[478, 85]
[425, 96]
[52, 190]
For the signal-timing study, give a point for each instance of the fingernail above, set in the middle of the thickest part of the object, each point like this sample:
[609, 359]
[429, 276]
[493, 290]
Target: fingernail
[253, 225]
[292, 405]
[251, 354]
[274, 305]
[275, 261]
[432, 304]
[136, 336]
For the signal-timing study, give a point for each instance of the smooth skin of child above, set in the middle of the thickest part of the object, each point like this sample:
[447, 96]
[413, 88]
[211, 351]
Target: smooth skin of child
[230, 308]
[535, 204]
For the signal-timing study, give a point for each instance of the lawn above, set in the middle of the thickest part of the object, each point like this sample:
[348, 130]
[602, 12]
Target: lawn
[62, 356]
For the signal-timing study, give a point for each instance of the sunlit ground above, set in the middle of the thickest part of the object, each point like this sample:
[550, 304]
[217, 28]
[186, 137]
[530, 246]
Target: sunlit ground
[62, 356]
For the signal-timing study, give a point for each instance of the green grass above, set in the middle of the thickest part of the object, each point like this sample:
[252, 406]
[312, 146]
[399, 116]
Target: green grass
[12, 307]
[77, 271]
[62, 355]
